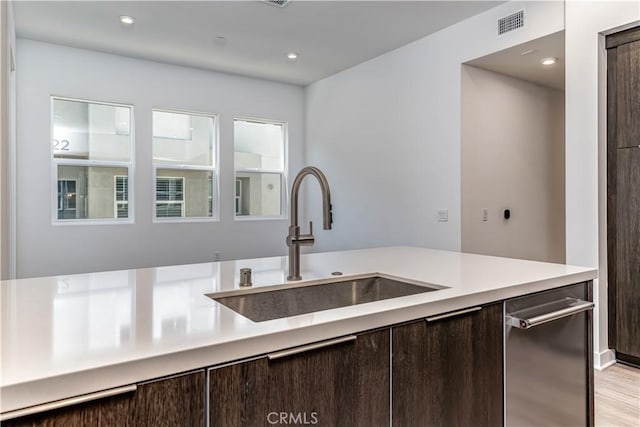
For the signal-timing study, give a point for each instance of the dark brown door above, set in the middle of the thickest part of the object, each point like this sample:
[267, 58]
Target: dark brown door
[449, 372]
[345, 384]
[627, 302]
[176, 401]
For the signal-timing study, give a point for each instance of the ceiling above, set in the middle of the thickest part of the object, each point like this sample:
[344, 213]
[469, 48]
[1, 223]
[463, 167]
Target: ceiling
[329, 36]
[529, 67]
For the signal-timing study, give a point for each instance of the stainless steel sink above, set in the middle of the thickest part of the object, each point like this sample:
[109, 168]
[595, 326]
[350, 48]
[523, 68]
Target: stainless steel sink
[268, 305]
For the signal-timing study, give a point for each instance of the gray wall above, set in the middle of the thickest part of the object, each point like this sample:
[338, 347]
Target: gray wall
[46, 249]
[512, 157]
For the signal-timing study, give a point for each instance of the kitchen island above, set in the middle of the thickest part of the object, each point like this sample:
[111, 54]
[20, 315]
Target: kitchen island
[77, 335]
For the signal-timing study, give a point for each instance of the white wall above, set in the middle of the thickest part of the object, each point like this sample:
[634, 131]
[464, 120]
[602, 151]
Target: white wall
[512, 157]
[7, 111]
[44, 249]
[586, 127]
[4, 144]
[387, 133]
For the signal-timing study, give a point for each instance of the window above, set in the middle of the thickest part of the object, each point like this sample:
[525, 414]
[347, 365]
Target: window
[66, 198]
[91, 145]
[121, 197]
[238, 198]
[184, 157]
[260, 168]
[169, 197]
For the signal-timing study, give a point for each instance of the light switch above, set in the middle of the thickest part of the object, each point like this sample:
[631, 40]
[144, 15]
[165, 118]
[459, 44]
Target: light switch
[443, 215]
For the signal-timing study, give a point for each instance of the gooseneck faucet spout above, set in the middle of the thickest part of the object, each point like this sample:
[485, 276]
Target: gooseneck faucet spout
[295, 239]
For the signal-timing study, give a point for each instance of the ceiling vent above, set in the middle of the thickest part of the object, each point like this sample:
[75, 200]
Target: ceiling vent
[279, 3]
[511, 22]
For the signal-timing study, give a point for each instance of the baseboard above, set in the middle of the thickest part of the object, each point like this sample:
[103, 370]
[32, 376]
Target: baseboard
[628, 359]
[604, 359]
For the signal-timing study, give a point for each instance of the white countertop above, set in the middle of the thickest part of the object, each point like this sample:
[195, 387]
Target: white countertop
[64, 336]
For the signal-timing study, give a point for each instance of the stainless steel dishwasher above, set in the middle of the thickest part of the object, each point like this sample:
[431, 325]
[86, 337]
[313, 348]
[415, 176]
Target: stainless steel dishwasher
[548, 361]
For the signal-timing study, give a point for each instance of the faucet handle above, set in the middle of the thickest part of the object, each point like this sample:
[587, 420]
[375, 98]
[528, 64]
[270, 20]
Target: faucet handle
[306, 239]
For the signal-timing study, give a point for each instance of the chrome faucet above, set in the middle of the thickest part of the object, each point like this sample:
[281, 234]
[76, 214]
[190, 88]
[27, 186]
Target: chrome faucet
[295, 239]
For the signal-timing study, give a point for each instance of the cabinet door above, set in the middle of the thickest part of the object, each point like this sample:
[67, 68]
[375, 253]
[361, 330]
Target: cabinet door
[175, 401]
[627, 263]
[627, 94]
[112, 411]
[623, 192]
[345, 384]
[448, 372]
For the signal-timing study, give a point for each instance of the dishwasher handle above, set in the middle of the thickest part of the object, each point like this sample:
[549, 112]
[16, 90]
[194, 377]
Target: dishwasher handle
[576, 306]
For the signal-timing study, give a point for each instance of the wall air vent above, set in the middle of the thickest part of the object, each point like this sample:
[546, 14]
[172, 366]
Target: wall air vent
[511, 22]
[279, 3]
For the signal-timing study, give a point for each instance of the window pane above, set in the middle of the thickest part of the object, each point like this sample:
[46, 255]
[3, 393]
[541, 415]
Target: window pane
[91, 192]
[258, 194]
[184, 193]
[168, 210]
[85, 130]
[258, 145]
[183, 139]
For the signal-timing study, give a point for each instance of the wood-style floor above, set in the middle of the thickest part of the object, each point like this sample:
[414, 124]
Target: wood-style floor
[617, 396]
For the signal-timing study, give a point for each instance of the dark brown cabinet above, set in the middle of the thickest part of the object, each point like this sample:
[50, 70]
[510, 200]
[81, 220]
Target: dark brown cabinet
[105, 412]
[448, 370]
[624, 72]
[342, 382]
[623, 200]
[627, 262]
[175, 401]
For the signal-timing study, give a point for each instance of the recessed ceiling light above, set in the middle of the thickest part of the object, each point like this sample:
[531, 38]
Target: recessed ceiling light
[549, 61]
[292, 55]
[127, 20]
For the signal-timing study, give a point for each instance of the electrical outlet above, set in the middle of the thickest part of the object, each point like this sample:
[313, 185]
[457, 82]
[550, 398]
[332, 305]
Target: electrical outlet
[216, 256]
[443, 215]
[485, 214]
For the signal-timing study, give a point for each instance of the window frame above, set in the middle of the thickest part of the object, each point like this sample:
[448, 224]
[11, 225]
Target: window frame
[284, 199]
[56, 162]
[214, 169]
